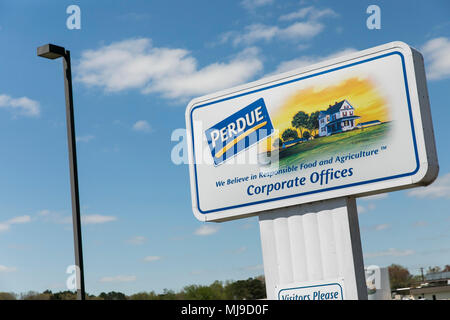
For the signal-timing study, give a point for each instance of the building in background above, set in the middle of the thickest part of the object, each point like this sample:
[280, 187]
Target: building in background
[435, 286]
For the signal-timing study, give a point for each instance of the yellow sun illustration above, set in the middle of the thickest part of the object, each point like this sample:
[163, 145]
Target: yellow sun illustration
[361, 93]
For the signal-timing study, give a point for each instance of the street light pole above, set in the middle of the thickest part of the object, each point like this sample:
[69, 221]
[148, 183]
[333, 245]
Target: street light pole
[50, 51]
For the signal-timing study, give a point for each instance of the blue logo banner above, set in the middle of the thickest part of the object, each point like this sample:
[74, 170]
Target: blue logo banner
[239, 131]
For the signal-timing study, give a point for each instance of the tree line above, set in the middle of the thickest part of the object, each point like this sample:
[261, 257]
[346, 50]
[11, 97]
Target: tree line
[250, 289]
[303, 126]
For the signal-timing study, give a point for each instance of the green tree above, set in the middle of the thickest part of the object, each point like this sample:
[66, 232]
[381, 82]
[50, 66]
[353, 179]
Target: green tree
[250, 289]
[113, 295]
[289, 134]
[215, 291]
[8, 296]
[399, 276]
[300, 121]
[313, 123]
[256, 288]
[306, 135]
[62, 295]
[168, 295]
[144, 296]
[33, 295]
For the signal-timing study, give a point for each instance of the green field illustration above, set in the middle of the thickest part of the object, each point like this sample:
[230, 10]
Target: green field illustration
[337, 144]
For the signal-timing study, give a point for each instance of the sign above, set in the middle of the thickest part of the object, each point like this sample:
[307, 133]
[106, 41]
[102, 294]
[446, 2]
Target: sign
[352, 126]
[322, 290]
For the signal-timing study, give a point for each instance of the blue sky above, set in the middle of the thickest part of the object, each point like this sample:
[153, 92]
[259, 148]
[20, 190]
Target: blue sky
[139, 233]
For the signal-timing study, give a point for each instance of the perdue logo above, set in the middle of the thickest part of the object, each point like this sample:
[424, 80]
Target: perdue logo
[239, 131]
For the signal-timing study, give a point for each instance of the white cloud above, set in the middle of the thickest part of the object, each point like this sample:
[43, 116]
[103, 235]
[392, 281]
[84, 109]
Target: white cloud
[309, 27]
[380, 227]
[7, 269]
[152, 258]
[248, 224]
[54, 217]
[142, 126]
[309, 60]
[260, 32]
[377, 227]
[85, 138]
[20, 106]
[253, 4]
[361, 209]
[206, 230]
[59, 218]
[438, 189]
[390, 253]
[256, 32]
[44, 212]
[211, 78]
[419, 224]
[4, 226]
[436, 53]
[119, 278]
[137, 240]
[302, 30]
[20, 219]
[366, 208]
[309, 12]
[240, 250]
[96, 219]
[173, 73]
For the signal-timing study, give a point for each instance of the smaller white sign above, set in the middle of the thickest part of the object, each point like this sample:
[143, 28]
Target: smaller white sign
[317, 290]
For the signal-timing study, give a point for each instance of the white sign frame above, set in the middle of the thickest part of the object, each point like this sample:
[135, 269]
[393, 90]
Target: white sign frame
[419, 114]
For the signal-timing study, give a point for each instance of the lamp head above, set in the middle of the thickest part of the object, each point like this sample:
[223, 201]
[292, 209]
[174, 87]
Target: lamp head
[51, 51]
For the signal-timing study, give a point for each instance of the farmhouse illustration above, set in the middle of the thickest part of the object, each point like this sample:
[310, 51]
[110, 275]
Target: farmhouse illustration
[337, 118]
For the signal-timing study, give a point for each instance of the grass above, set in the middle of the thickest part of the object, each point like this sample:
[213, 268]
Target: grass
[325, 147]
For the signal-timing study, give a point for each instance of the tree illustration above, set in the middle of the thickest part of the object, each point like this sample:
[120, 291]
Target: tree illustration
[300, 121]
[289, 134]
[313, 123]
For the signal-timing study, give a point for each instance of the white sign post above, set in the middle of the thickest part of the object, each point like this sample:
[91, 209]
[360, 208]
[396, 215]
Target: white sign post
[313, 242]
[297, 148]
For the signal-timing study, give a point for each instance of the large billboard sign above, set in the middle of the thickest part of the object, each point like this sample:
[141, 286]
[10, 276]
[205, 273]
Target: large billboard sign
[352, 126]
